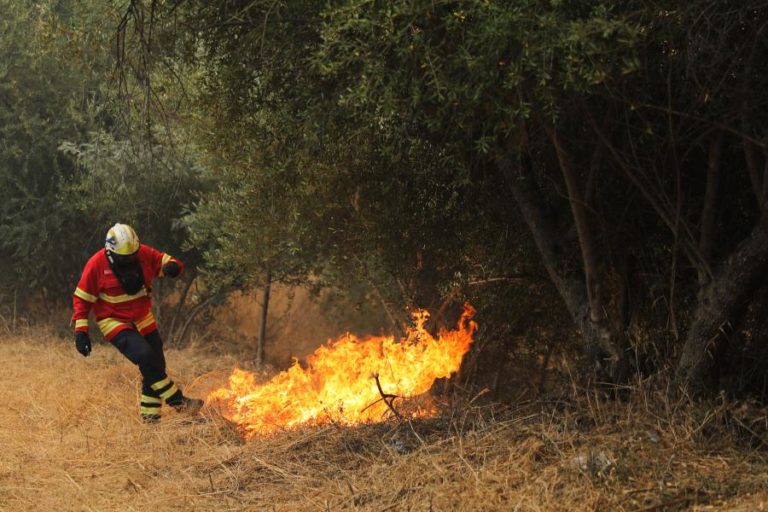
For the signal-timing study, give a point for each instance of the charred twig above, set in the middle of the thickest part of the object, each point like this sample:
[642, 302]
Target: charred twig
[387, 398]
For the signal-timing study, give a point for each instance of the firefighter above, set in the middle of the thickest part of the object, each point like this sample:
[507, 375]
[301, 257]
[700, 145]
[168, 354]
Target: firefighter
[116, 285]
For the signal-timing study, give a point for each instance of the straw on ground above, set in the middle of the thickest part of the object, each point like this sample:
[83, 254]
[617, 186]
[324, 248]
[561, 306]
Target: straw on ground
[71, 440]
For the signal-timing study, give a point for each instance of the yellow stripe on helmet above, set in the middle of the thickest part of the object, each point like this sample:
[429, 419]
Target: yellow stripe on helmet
[122, 239]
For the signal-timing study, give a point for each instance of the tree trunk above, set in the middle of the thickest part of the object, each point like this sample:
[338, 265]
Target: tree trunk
[263, 322]
[180, 306]
[719, 303]
[583, 230]
[599, 340]
[192, 314]
[753, 166]
[747, 109]
[157, 303]
[708, 213]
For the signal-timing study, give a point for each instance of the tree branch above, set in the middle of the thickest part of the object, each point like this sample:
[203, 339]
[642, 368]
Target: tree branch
[386, 398]
[707, 239]
[583, 229]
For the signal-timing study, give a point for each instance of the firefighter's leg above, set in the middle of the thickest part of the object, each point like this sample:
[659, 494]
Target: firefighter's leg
[156, 385]
[177, 400]
[156, 342]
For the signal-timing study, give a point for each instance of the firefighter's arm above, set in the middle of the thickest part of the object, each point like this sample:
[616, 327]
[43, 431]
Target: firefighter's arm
[165, 264]
[86, 294]
[83, 299]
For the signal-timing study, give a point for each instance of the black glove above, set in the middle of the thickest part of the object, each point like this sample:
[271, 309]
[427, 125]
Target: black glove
[83, 343]
[171, 269]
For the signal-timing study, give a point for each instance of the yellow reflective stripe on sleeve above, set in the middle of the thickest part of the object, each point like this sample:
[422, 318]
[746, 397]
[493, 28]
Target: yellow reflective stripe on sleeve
[117, 299]
[161, 383]
[170, 391]
[107, 325]
[79, 292]
[166, 259]
[146, 321]
[83, 322]
[150, 399]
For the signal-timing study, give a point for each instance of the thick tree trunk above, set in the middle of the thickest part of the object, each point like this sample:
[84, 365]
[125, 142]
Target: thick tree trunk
[719, 303]
[599, 340]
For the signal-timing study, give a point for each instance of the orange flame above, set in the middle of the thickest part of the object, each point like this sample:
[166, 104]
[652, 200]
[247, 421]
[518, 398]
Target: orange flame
[341, 382]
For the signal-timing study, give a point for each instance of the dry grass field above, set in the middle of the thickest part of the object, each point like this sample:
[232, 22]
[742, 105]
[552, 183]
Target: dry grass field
[70, 440]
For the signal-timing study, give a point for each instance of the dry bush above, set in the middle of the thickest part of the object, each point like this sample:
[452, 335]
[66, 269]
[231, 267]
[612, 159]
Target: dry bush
[71, 440]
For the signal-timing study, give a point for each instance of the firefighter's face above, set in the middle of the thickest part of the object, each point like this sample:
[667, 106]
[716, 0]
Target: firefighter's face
[122, 260]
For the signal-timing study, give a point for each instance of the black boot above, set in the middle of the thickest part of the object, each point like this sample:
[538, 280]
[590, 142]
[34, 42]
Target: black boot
[188, 405]
[150, 419]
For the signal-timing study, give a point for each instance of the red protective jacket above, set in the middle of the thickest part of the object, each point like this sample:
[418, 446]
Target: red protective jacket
[115, 311]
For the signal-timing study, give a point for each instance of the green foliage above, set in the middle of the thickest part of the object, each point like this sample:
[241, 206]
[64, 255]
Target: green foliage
[355, 139]
[470, 70]
[150, 187]
[68, 167]
[254, 223]
[48, 92]
[363, 138]
[307, 189]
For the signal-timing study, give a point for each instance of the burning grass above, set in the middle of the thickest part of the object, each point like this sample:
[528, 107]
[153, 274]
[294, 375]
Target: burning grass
[342, 383]
[70, 440]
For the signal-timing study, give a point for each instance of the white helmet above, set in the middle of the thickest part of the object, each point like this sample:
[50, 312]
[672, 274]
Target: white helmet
[122, 243]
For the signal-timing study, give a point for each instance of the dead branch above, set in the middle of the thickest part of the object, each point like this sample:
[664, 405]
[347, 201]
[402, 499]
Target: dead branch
[387, 398]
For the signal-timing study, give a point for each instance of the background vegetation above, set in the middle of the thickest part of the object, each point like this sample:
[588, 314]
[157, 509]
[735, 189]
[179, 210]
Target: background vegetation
[591, 175]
